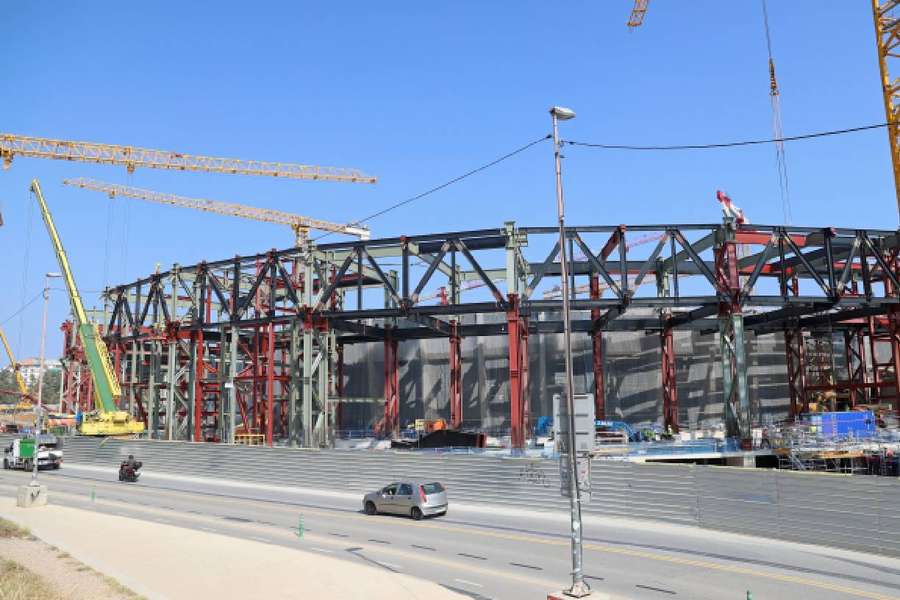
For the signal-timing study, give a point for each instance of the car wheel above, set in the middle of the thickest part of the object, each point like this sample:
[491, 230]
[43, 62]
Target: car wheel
[370, 508]
[416, 513]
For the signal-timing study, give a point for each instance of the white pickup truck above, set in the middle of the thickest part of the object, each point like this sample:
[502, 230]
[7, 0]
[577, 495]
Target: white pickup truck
[20, 453]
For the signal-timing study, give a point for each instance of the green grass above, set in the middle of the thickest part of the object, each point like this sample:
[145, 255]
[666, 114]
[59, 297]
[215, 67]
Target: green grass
[8, 529]
[18, 583]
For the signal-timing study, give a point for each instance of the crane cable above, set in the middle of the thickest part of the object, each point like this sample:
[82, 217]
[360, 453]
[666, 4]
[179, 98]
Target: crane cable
[777, 130]
[25, 268]
[109, 219]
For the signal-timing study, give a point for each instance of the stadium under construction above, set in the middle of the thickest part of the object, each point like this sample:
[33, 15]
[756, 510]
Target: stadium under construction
[688, 327]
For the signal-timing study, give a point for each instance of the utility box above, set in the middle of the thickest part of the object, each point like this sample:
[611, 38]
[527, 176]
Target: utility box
[584, 423]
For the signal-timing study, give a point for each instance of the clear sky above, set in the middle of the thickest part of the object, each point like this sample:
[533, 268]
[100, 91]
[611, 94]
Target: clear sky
[416, 93]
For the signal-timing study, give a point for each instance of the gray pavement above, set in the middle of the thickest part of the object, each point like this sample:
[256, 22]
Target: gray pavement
[487, 552]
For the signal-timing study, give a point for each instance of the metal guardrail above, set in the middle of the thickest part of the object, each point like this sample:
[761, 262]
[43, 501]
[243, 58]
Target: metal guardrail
[853, 512]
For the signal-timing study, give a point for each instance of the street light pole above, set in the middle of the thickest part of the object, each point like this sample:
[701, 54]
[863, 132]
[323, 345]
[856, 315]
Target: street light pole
[579, 588]
[39, 407]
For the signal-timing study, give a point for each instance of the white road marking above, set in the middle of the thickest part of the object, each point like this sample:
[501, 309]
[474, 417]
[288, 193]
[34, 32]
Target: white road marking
[463, 581]
[322, 550]
[259, 539]
[391, 565]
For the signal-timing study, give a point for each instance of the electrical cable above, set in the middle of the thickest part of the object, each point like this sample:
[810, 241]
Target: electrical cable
[22, 308]
[793, 138]
[445, 184]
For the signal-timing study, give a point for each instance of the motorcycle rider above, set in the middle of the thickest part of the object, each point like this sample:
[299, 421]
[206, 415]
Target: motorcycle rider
[131, 465]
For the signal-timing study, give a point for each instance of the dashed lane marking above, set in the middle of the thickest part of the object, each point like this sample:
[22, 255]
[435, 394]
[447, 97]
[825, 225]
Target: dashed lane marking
[475, 556]
[678, 560]
[654, 589]
[465, 582]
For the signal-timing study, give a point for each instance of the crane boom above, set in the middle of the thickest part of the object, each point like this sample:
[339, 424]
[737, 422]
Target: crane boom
[298, 223]
[110, 421]
[638, 12]
[20, 381]
[132, 157]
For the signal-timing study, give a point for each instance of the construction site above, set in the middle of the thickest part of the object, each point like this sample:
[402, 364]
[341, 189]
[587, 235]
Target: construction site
[720, 338]
[672, 348]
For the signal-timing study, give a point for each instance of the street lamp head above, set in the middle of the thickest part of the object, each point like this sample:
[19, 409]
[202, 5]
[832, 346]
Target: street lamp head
[49, 275]
[562, 113]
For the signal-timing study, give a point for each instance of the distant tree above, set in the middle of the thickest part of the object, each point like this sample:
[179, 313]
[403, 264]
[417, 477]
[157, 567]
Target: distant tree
[8, 387]
[52, 381]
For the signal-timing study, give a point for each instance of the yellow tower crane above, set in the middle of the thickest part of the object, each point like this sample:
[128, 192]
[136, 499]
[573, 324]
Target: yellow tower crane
[12, 145]
[638, 12]
[301, 225]
[887, 40]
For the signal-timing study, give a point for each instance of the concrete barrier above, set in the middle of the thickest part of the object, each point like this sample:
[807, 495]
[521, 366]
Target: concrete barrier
[844, 511]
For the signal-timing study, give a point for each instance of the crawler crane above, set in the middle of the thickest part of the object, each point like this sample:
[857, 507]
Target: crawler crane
[107, 419]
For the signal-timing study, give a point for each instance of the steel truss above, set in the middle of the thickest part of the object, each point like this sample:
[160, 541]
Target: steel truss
[250, 345]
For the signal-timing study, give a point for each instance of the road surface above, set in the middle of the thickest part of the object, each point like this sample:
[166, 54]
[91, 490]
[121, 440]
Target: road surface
[486, 552]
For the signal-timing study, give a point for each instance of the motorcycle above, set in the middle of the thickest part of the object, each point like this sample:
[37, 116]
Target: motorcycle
[128, 473]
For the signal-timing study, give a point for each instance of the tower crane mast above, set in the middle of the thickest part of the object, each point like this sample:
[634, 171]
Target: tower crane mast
[887, 40]
[300, 224]
[131, 157]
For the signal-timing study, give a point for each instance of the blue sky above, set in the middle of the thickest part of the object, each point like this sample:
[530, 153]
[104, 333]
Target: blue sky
[417, 93]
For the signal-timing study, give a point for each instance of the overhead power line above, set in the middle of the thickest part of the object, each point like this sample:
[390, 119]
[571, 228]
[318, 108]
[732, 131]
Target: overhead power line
[446, 184]
[793, 138]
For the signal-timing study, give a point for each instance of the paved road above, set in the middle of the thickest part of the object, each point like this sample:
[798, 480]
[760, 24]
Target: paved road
[487, 552]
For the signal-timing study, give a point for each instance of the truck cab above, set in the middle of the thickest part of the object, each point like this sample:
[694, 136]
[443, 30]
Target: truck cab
[20, 454]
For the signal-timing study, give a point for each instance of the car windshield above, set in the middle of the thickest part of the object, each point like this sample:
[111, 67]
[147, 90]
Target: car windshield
[432, 488]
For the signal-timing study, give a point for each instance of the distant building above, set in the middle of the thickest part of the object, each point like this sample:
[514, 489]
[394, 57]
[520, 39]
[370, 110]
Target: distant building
[31, 367]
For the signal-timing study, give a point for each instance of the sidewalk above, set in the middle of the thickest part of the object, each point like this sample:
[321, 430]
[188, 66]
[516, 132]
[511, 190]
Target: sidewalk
[163, 561]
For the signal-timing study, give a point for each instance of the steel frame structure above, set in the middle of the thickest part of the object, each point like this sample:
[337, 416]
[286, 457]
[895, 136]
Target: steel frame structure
[250, 345]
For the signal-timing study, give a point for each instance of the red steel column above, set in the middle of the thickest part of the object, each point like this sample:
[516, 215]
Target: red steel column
[339, 386]
[893, 325]
[516, 386]
[597, 343]
[854, 353]
[795, 353]
[669, 383]
[270, 383]
[456, 416]
[391, 386]
[198, 386]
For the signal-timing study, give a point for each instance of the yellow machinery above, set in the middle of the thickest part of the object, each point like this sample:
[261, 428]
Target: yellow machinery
[20, 381]
[107, 419]
[301, 225]
[110, 154]
[887, 39]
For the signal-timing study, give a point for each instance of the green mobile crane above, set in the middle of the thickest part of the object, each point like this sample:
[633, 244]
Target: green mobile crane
[106, 419]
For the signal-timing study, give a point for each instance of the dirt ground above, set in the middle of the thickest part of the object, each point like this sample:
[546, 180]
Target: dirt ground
[59, 577]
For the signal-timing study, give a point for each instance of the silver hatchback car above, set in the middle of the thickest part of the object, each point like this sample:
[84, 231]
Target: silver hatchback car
[414, 498]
